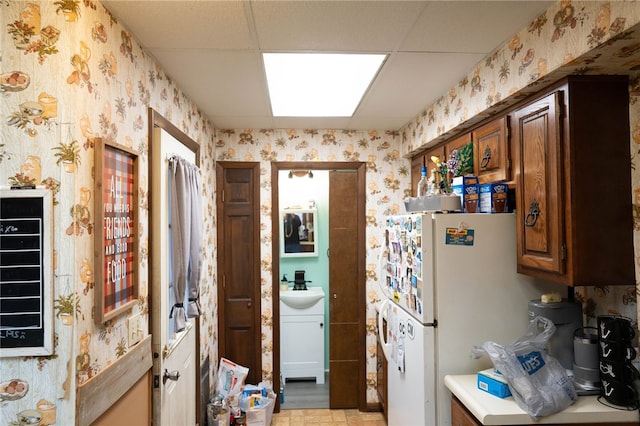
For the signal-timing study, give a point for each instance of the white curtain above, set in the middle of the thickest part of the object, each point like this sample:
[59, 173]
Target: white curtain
[187, 232]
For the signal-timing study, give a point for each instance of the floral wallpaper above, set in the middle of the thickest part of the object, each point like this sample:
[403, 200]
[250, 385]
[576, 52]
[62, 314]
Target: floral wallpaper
[70, 73]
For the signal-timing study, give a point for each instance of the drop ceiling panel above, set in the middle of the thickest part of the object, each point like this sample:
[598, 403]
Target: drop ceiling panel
[410, 79]
[382, 122]
[311, 123]
[470, 26]
[185, 24]
[211, 49]
[242, 122]
[334, 25]
[221, 83]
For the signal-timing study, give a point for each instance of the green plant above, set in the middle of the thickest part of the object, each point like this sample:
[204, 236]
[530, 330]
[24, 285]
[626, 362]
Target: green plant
[68, 6]
[67, 305]
[20, 29]
[68, 153]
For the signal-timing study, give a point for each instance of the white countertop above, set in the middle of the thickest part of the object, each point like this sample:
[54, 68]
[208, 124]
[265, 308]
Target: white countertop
[492, 410]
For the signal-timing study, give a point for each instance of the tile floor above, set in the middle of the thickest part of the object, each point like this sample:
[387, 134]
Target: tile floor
[307, 403]
[326, 417]
[305, 394]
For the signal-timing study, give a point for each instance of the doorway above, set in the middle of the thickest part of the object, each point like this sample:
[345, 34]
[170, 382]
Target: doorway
[175, 354]
[346, 279]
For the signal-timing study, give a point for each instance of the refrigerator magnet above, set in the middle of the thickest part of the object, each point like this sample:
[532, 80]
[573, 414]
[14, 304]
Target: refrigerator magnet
[459, 237]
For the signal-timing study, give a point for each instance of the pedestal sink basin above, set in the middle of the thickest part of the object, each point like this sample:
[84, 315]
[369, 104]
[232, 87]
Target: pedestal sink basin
[301, 299]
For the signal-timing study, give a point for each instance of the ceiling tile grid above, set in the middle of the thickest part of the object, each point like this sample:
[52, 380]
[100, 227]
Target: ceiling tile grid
[212, 49]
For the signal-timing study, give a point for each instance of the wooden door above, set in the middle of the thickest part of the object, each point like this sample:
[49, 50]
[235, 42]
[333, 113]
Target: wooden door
[539, 199]
[345, 341]
[238, 200]
[491, 155]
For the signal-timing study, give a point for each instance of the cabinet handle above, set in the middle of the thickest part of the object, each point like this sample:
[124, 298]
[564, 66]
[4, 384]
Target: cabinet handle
[321, 325]
[486, 157]
[534, 212]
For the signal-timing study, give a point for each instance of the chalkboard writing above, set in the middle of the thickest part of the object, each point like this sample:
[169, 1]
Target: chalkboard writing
[25, 272]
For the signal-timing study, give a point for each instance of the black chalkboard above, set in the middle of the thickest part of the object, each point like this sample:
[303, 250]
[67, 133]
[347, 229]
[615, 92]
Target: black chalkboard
[26, 319]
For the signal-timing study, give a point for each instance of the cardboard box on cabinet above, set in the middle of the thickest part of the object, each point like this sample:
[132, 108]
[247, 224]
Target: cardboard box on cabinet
[468, 189]
[493, 198]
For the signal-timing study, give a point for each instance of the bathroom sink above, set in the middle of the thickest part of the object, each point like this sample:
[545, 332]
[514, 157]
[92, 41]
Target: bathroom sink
[302, 299]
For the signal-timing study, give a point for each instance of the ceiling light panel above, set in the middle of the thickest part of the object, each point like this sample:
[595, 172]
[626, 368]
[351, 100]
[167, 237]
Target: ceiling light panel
[318, 84]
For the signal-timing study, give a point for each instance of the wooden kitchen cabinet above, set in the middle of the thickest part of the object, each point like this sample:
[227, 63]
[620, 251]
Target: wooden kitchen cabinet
[491, 151]
[419, 160]
[573, 183]
[456, 143]
[460, 416]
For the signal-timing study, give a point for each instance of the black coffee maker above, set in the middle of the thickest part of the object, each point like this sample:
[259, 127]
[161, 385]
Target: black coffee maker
[618, 376]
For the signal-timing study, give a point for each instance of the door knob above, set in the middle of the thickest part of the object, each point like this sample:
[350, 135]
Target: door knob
[174, 375]
[248, 304]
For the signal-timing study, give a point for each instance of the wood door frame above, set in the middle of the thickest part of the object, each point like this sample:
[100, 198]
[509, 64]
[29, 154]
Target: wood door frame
[220, 167]
[360, 168]
[157, 120]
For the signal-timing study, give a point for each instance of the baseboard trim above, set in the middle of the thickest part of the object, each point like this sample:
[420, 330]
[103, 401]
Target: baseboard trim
[374, 407]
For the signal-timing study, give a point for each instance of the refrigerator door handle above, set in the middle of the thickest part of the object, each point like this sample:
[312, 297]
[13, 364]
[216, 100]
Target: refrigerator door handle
[386, 346]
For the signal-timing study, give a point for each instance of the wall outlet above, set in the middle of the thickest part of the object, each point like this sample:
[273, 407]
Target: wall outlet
[134, 327]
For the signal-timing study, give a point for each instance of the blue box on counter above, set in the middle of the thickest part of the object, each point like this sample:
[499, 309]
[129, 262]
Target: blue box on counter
[493, 382]
[468, 189]
[493, 198]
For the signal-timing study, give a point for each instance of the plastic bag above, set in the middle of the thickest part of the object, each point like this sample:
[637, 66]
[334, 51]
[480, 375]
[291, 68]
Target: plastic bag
[231, 377]
[538, 382]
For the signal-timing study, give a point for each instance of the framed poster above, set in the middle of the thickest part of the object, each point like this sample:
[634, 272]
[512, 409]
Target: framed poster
[117, 238]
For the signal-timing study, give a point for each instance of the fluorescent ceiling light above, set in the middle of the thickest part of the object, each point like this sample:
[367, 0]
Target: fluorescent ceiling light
[318, 84]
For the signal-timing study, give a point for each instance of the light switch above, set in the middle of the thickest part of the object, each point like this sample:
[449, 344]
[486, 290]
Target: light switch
[134, 327]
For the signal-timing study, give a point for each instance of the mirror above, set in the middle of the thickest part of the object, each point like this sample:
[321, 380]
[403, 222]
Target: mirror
[298, 234]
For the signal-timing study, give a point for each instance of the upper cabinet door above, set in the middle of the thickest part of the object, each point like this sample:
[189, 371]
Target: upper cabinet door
[491, 155]
[456, 144]
[539, 194]
[573, 183]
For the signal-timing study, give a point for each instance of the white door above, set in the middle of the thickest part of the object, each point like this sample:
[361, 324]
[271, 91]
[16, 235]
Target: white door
[174, 369]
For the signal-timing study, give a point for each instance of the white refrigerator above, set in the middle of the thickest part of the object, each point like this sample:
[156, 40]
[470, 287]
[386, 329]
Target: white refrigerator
[450, 282]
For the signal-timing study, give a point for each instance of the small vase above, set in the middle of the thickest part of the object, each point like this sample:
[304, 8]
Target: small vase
[70, 15]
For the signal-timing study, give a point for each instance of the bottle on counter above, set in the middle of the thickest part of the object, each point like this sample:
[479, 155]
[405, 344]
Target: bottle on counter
[423, 183]
[434, 183]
